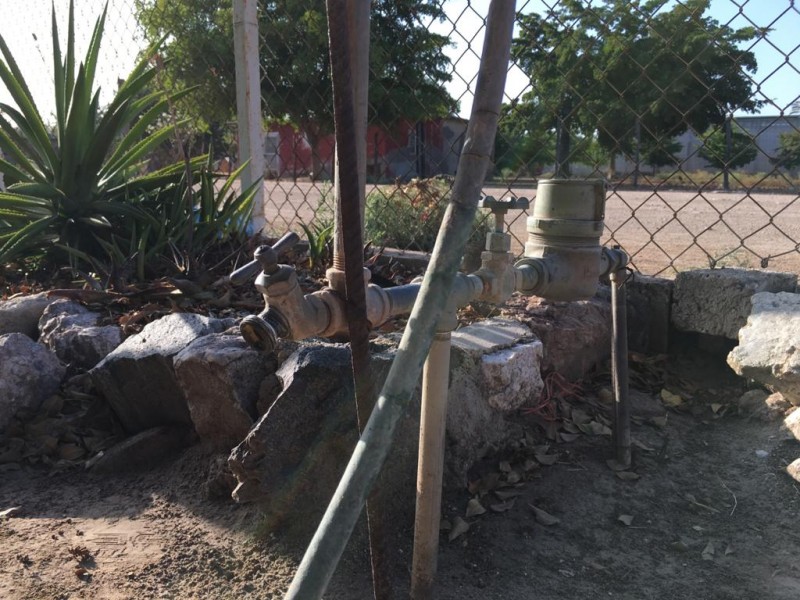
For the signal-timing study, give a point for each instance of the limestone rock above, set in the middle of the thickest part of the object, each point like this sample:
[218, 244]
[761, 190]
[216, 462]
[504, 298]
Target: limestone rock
[495, 367]
[71, 331]
[29, 374]
[138, 379]
[792, 423]
[221, 377]
[767, 350]
[21, 314]
[512, 376]
[718, 301]
[793, 469]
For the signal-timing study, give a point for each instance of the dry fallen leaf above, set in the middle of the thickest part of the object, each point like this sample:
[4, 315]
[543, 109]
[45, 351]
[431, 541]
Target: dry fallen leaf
[529, 465]
[579, 417]
[505, 466]
[503, 506]
[615, 465]
[594, 428]
[543, 517]
[659, 421]
[569, 427]
[474, 507]
[460, 527]
[625, 520]
[679, 546]
[547, 459]
[642, 446]
[627, 475]
[569, 437]
[671, 400]
[708, 551]
[715, 406]
[507, 493]
[513, 477]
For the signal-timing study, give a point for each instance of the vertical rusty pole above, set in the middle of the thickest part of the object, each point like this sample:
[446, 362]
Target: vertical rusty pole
[343, 20]
[619, 367]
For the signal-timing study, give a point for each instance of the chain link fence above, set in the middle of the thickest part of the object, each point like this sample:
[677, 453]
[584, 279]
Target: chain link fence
[685, 107]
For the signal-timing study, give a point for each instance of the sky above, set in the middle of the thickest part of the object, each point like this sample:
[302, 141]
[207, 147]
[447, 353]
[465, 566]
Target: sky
[26, 28]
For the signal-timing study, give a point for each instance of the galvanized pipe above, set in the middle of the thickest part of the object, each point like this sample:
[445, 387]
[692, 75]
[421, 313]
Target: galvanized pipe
[337, 524]
[619, 367]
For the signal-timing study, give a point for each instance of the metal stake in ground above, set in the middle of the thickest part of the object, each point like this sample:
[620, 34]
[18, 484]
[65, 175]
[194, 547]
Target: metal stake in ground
[353, 245]
[619, 367]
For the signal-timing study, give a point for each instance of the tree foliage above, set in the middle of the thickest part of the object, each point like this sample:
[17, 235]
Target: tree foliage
[788, 150]
[407, 61]
[720, 154]
[600, 67]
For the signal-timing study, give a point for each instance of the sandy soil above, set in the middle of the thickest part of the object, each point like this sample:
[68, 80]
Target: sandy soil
[665, 231]
[712, 515]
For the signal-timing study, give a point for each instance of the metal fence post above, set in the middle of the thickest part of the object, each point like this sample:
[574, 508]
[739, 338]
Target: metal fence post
[248, 102]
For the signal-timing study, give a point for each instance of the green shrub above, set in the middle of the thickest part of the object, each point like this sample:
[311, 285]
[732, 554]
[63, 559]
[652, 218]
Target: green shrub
[80, 196]
[408, 216]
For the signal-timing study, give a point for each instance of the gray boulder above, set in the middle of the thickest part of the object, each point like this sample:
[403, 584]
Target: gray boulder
[292, 459]
[22, 314]
[717, 301]
[138, 379]
[768, 343]
[221, 377]
[71, 331]
[29, 374]
[144, 450]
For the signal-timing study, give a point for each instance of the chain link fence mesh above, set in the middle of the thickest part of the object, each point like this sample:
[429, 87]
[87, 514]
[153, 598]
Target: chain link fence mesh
[688, 108]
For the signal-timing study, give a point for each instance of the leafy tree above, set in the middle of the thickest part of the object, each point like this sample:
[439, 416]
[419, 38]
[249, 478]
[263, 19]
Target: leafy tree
[788, 150]
[601, 66]
[407, 62]
[719, 154]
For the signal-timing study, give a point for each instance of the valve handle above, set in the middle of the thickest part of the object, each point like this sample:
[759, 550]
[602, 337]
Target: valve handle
[504, 204]
[265, 259]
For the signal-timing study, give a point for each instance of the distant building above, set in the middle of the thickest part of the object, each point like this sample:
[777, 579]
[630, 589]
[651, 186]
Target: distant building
[406, 151]
[765, 131]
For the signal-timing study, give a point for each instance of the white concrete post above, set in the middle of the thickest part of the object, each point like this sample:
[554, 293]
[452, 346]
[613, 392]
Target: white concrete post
[248, 102]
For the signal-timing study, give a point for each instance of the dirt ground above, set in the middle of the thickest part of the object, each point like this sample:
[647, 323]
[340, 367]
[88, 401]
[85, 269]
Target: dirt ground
[707, 512]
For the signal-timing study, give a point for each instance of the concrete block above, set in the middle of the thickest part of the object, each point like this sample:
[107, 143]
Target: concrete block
[717, 301]
[495, 367]
[649, 305]
[768, 343]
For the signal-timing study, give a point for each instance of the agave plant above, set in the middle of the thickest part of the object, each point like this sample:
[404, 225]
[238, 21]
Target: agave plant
[66, 192]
